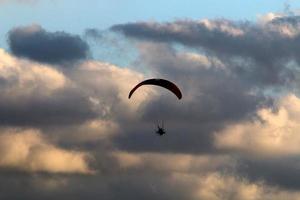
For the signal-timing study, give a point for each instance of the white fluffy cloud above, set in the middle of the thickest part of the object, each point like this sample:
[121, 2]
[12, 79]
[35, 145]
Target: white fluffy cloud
[274, 133]
[108, 87]
[24, 79]
[28, 150]
[266, 18]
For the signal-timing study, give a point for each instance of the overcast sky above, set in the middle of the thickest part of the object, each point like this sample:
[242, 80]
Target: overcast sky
[69, 131]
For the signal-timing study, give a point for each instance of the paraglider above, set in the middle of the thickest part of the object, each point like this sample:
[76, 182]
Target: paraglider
[162, 83]
[158, 82]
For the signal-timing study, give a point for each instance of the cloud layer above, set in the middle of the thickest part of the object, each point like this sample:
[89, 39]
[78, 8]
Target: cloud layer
[274, 134]
[257, 52]
[35, 43]
[27, 150]
[68, 129]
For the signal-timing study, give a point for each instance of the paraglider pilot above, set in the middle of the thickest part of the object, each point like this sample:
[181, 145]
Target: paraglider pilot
[161, 130]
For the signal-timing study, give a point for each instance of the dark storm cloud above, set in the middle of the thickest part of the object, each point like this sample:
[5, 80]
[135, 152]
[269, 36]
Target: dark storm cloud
[114, 187]
[35, 43]
[208, 35]
[281, 172]
[254, 51]
[63, 107]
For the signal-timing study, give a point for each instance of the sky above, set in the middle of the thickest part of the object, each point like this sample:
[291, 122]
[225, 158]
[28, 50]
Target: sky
[65, 15]
[69, 131]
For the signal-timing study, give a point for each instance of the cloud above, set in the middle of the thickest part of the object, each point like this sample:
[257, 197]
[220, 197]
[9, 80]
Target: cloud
[274, 134]
[267, 147]
[37, 44]
[260, 53]
[269, 17]
[218, 186]
[28, 150]
[281, 172]
[39, 95]
[230, 137]
[108, 86]
[165, 162]
[220, 65]
[189, 177]
[227, 70]
[92, 131]
[21, 78]
[33, 94]
[195, 177]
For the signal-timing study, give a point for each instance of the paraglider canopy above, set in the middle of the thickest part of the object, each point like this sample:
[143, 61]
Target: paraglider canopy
[159, 82]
